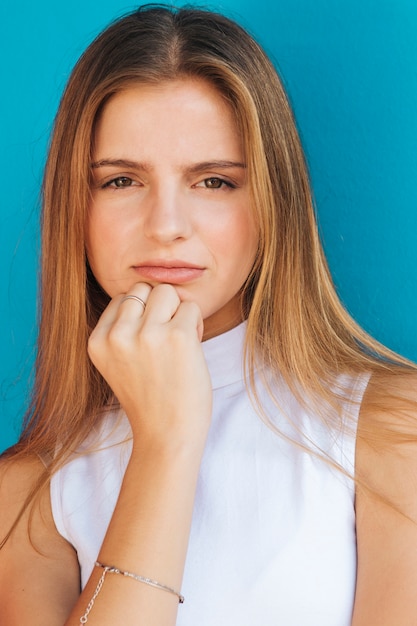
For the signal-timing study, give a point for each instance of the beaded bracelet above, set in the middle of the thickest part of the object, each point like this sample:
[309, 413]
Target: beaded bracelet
[111, 569]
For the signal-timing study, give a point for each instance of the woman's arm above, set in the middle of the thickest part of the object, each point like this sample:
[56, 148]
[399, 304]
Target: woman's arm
[386, 461]
[154, 362]
[148, 535]
[39, 572]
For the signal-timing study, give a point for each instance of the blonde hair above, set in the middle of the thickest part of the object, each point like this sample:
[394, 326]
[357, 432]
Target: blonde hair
[296, 323]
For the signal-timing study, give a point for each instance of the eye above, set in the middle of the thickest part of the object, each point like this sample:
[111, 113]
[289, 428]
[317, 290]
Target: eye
[120, 182]
[214, 182]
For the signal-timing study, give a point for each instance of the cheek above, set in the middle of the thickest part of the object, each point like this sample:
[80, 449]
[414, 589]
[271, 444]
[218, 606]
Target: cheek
[236, 252]
[242, 245]
[102, 244]
[237, 231]
[92, 247]
[89, 240]
[104, 235]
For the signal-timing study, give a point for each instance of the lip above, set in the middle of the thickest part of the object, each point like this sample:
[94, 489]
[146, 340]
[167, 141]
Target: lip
[175, 272]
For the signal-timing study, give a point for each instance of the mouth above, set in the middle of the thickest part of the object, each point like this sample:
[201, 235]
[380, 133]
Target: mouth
[172, 272]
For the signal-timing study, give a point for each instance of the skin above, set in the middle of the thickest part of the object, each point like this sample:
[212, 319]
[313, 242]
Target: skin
[169, 212]
[170, 201]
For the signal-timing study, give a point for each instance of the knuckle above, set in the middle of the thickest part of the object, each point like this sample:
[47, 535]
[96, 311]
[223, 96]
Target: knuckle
[178, 337]
[93, 344]
[166, 291]
[117, 337]
[191, 307]
[142, 290]
[150, 337]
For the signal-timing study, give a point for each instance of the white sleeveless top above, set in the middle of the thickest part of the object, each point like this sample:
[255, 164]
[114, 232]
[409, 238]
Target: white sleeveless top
[273, 533]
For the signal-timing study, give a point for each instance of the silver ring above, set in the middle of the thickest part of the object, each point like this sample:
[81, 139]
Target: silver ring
[132, 297]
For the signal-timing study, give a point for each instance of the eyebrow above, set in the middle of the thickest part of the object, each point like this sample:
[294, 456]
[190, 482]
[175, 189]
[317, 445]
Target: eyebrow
[210, 165]
[192, 169]
[119, 163]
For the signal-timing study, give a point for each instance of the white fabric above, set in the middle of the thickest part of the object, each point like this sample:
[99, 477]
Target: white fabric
[273, 533]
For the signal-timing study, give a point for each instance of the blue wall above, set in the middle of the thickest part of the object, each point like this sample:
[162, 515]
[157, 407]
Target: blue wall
[350, 67]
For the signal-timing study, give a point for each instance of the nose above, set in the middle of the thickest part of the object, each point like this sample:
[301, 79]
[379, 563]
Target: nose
[166, 218]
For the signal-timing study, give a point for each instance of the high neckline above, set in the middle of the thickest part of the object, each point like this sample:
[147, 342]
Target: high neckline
[224, 356]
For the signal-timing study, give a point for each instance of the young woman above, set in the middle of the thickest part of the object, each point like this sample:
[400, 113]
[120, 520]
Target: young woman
[206, 421]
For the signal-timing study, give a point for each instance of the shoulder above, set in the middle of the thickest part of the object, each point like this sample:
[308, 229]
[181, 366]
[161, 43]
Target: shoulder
[34, 545]
[388, 415]
[17, 479]
[386, 501]
[398, 387]
[387, 434]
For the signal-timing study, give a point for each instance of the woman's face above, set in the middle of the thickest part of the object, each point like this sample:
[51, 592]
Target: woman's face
[170, 199]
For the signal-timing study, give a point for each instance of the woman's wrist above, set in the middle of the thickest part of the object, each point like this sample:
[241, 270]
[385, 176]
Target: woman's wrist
[167, 450]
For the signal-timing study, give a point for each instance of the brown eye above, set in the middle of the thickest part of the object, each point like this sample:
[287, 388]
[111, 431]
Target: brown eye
[213, 183]
[122, 181]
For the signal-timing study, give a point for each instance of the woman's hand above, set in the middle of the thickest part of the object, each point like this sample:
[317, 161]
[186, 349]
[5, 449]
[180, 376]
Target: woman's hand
[148, 348]
[151, 357]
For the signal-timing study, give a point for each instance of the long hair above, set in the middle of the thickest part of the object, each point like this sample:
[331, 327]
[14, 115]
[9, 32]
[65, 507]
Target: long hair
[296, 323]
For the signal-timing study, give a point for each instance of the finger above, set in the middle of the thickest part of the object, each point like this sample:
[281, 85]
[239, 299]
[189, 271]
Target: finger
[136, 298]
[162, 304]
[113, 310]
[118, 323]
[188, 315]
[132, 305]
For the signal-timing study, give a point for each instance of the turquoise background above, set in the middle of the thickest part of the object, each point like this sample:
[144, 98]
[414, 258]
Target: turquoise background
[350, 67]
